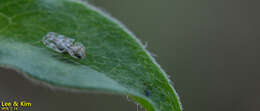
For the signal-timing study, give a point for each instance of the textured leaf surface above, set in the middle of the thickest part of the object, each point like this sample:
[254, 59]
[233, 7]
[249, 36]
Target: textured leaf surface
[115, 61]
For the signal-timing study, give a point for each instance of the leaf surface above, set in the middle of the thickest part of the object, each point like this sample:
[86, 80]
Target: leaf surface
[115, 60]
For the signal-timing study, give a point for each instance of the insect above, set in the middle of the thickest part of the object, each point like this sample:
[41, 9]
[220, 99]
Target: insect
[77, 50]
[63, 44]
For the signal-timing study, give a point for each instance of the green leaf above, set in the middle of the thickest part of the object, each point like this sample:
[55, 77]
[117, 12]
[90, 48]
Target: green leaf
[115, 62]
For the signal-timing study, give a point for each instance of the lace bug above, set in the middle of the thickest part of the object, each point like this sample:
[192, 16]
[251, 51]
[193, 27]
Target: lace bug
[63, 44]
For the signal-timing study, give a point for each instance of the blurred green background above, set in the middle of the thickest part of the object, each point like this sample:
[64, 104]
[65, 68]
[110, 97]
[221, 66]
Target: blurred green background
[208, 47]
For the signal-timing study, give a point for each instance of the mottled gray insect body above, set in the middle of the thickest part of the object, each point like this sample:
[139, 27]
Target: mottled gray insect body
[62, 44]
[77, 50]
[54, 41]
